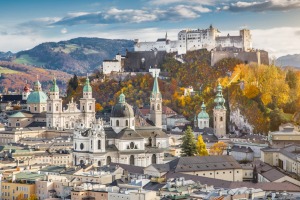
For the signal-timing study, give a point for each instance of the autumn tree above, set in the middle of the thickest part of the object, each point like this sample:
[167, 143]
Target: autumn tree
[201, 147]
[217, 148]
[188, 147]
[21, 197]
[98, 107]
[33, 197]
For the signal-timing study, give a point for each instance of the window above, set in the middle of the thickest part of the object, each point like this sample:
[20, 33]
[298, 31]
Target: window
[99, 144]
[56, 108]
[35, 108]
[49, 108]
[117, 123]
[158, 106]
[17, 124]
[131, 145]
[90, 107]
[152, 107]
[81, 146]
[83, 108]
[221, 119]
[91, 144]
[126, 122]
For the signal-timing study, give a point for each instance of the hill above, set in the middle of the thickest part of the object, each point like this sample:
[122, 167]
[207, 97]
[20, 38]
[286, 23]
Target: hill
[288, 60]
[14, 76]
[79, 55]
[6, 55]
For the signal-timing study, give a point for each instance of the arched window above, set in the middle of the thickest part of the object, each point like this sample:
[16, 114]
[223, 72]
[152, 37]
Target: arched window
[99, 144]
[91, 144]
[117, 123]
[150, 141]
[90, 107]
[126, 122]
[153, 159]
[81, 146]
[56, 108]
[108, 160]
[221, 119]
[131, 160]
[99, 163]
[158, 106]
[83, 108]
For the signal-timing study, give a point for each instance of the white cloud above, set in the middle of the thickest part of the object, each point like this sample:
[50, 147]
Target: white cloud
[64, 31]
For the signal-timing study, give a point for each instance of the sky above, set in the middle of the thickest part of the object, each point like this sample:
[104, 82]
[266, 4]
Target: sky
[274, 24]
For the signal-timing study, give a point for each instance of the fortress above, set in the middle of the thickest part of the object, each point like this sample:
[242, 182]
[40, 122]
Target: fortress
[190, 40]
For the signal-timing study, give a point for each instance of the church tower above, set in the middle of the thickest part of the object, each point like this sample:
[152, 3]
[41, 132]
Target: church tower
[219, 114]
[26, 92]
[87, 104]
[156, 105]
[203, 118]
[54, 107]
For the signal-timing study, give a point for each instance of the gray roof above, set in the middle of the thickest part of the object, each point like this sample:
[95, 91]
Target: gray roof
[130, 168]
[129, 134]
[242, 149]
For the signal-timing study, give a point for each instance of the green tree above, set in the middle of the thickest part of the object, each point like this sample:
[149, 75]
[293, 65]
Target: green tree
[188, 147]
[201, 147]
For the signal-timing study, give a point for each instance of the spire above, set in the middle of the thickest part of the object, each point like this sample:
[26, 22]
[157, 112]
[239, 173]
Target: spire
[54, 87]
[203, 114]
[203, 107]
[219, 100]
[166, 35]
[37, 84]
[87, 87]
[122, 98]
[155, 89]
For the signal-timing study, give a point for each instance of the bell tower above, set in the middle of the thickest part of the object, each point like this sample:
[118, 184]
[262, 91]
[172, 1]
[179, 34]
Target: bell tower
[156, 105]
[87, 104]
[54, 107]
[219, 114]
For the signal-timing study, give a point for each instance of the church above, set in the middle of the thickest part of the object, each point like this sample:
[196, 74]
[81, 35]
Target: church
[122, 142]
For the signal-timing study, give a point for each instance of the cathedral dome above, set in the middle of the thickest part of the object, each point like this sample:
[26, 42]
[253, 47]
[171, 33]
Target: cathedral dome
[37, 97]
[122, 109]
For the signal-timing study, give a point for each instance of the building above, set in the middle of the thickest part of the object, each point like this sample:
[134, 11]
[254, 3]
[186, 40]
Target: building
[242, 153]
[35, 114]
[190, 40]
[122, 141]
[115, 65]
[202, 119]
[61, 118]
[22, 183]
[218, 167]
[286, 135]
[219, 114]
[286, 158]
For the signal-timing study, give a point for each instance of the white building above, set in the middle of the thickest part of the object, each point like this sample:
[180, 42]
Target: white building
[61, 118]
[114, 65]
[122, 142]
[190, 40]
[202, 119]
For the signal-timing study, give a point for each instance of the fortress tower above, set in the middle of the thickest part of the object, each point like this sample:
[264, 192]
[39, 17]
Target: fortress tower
[156, 105]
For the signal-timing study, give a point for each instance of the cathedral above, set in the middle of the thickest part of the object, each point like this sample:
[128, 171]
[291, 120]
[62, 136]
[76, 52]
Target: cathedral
[122, 142]
[65, 118]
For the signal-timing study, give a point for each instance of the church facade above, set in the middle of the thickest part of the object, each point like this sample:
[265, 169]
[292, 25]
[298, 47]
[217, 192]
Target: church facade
[122, 142]
[66, 118]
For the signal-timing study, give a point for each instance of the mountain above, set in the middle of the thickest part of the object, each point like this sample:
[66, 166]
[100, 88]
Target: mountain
[14, 76]
[288, 60]
[75, 56]
[6, 55]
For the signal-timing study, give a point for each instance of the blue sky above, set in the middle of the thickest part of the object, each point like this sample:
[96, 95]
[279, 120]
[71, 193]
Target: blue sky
[25, 23]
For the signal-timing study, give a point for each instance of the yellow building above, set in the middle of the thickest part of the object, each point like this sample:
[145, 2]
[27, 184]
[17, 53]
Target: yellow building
[22, 184]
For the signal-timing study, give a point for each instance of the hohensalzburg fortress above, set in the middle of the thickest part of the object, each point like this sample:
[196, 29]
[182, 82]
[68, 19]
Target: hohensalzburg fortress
[190, 40]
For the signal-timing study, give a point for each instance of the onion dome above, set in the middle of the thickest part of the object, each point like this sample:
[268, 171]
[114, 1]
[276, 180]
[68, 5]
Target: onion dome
[219, 100]
[122, 109]
[87, 87]
[54, 87]
[203, 114]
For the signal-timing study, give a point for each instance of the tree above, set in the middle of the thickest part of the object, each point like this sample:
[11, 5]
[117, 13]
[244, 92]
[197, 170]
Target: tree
[98, 107]
[21, 197]
[201, 147]
[217, 148]
[33, 197]
[188, 147]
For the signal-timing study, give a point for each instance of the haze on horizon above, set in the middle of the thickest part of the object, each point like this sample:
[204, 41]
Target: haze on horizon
[25, 24]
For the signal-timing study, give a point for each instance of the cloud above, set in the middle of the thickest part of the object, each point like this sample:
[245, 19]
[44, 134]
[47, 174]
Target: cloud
[166, 2]
[260, 6]
[115, 15]
[64, 31]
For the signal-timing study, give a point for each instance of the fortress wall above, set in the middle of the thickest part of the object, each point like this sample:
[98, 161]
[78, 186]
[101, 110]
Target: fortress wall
[260, 57]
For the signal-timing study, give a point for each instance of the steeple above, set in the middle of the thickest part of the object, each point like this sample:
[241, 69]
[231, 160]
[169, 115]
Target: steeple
[156, 104]
[219, 100]
[155, 90]
[203, 117]
[122, 98]
[54, 87]
[87, 87]
[219, 113]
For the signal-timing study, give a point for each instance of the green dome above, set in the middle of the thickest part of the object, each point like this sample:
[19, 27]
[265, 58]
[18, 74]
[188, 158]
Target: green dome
[54, 87]
[203, 114]
[122, 109]
[87, 87]
[37, 97]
